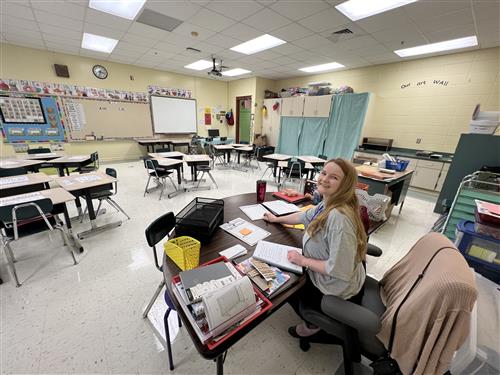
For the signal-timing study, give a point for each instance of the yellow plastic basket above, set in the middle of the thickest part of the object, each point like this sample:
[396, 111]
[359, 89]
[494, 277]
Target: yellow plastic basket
[184, 251]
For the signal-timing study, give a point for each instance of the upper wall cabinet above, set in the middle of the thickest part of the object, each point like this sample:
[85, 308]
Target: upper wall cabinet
[317, 106]
[292, 107]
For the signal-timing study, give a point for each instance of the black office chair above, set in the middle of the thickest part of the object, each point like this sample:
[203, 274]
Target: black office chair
[40, 150]
[106, 194]
[7, 172]
[163, 149]
[260, 153]
[92, 167]
[155, 232]
[216, 155]
[354, 327]
[160, 175]
[24, 219]
[205, 169]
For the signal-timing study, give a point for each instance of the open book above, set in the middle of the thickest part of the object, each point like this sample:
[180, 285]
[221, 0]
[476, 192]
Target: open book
[276, 255]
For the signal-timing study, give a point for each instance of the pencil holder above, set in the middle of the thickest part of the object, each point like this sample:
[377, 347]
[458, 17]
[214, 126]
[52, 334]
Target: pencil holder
[184, 251]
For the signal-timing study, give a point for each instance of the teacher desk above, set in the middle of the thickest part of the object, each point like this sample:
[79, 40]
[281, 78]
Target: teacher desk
[222, 240]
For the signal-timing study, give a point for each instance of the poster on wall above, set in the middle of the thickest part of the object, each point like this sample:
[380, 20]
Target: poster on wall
[168, 91]
[21, 110]
[208, 116]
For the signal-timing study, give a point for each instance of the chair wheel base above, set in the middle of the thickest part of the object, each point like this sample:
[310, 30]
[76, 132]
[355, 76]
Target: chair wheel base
[304, 345]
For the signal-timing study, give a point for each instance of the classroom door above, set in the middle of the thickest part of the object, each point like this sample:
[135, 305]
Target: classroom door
[243, 118]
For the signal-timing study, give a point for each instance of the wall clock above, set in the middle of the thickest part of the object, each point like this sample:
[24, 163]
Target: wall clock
[100, 71]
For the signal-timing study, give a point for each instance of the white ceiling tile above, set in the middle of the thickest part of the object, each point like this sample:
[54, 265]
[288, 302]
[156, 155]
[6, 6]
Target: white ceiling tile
[147, 31]
[312, 41]
[392, 19]
[264, 64]
[488, 32]
[136, 39]
[54, 39]
[53, 19]
[300, 56]
[266, 20]
[222, 41]
[422, 10]
[13, 31]
[58, 31]
[490, 43]
[459, 17]
[283, 60]
[288, 48]
[452, 33]
[291, 32]
[228, 54]
[406, 33]
[103, 31]
[356, 31]
[127, 53]
[352, 60]
[108, 20]
[178, 40]
[93, 54]
[121, 47]
[186, 29]
[383, 59]
[355, 43]
[205, 48]
[296, 10]
[11, 8]
[242, 32]
[372, 50]
[168, 47]
[235, 10]
[145, 64]
[182, 10]
[63, 48]
[267, 55]
[325, 20]
[211, 20]
[331, 52]
[121, 59]
[25, 42]
[19, 22]
[60, 8]
[312, 59]
[486, 10]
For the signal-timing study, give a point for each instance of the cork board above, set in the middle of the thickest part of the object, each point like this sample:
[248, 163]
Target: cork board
[106, 119]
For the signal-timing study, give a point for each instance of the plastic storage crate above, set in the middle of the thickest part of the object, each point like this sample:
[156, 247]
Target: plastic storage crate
[200, 218]
[398, 165]
[184, 251]
[482, 252]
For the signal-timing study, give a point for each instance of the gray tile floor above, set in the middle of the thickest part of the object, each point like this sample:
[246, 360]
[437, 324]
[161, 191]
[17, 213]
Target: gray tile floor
[88, 318]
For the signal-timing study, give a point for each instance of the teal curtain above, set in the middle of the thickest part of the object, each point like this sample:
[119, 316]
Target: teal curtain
[346, 122]
[290, 133]
[313, 136]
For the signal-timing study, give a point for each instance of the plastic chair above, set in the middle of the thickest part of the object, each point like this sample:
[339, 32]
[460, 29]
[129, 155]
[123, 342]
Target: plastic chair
[92, 167]
[25, 219]
[155, 232]
[160, 175]
[41, 150]
[295, 169]
[163, 149]
[105, 195]
[216, 154]
[355, 327]
[205, 169]
[260, 153]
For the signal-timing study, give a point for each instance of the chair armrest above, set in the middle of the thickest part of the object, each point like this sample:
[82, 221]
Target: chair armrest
[351, 314]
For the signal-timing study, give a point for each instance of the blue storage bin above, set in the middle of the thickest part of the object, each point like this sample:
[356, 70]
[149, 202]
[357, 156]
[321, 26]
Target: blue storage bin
[399, 165]
[481, 252]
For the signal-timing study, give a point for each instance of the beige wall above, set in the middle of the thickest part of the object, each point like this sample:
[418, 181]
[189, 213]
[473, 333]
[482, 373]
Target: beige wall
[261, 85]
[437, 114]
[33, 64]
[240, 87]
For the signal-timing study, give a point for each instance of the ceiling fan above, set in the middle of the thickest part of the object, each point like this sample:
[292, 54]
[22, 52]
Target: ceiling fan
[216, 70]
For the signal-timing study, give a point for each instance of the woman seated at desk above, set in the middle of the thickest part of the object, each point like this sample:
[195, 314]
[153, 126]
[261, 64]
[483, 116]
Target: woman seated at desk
[334, 243]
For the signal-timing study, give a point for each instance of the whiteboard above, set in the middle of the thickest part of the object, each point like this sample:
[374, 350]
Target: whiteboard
[173, 115]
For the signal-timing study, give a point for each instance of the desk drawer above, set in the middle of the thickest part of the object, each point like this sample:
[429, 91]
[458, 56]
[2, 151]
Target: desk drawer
[430, 164]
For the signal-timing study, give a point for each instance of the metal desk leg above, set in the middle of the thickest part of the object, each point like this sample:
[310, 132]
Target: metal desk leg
[94, 228]
[71, 236]
[220, 364]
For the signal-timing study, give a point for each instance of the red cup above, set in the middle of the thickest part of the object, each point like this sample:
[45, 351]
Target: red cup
[261, 191]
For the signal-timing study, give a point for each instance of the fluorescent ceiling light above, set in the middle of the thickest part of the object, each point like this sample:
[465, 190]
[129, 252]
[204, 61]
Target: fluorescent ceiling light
[359, 9]
[98, 43]
[322, 67]
[200, 65]
[259, 44]
[122, 8]
[235, 72]
[469, 41]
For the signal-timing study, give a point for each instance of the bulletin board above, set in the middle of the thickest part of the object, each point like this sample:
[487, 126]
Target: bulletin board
[31, 119]
[106, 119]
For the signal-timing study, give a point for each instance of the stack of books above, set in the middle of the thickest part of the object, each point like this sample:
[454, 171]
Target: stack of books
[217, 300]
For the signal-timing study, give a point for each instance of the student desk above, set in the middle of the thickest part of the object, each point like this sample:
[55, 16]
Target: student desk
[194, 160]
[152, 143]
[30, 165]
[85, 185]
[69, 161]
[43, 156]
[226, 149]
[179, 142]
[59, 198]
[170, 155]
[395, 186]
[222, 240]
[25, 183]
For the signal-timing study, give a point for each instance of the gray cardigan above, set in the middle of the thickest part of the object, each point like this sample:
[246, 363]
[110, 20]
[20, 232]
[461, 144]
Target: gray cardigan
[336, 243]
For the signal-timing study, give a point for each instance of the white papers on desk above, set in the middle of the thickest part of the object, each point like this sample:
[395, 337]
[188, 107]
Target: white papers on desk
[233, 252]
[276, 255]
[254, 211]
[245, 231]
[21, 198]
[13, 180]
[280, 208]
[88, 178]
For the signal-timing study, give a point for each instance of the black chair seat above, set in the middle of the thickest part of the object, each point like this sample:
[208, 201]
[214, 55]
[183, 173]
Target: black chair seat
[203, 168]
[29, 227]
[160, 173]
[101, 194]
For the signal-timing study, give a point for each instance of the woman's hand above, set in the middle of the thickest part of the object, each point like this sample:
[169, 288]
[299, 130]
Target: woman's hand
[270, 217]
[296, 258]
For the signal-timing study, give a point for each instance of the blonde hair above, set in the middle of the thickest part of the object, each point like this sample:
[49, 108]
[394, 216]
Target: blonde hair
[346, 201]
